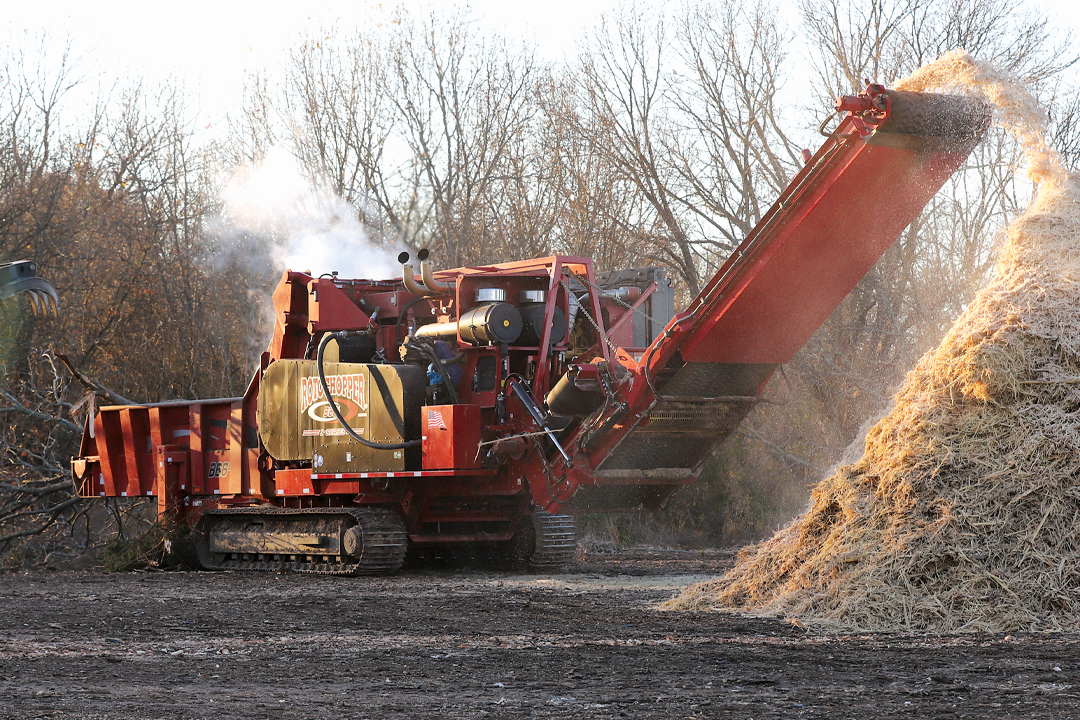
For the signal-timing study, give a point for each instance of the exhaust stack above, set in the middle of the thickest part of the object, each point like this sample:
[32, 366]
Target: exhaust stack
[408, 276]
[427, 274]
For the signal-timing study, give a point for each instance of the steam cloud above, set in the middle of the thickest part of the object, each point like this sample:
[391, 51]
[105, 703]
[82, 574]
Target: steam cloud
[273, 218]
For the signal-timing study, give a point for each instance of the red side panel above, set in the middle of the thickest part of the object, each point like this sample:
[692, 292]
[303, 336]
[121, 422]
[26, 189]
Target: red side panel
[823, 235]
[330, 309]
[184, 448]
[451, 437]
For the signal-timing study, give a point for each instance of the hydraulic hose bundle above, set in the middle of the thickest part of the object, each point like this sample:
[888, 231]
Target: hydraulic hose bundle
[341, 335]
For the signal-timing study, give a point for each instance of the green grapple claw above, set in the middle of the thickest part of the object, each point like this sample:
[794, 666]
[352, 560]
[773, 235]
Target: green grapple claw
[21, 277]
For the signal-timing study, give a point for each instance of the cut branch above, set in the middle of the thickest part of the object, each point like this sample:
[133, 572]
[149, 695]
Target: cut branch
[94, 385]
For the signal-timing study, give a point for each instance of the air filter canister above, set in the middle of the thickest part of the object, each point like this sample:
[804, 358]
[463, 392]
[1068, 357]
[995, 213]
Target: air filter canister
[495, 323]
[532, 317]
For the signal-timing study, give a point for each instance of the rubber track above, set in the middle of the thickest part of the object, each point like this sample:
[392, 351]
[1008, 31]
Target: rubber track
[556, 541]
[385, 542]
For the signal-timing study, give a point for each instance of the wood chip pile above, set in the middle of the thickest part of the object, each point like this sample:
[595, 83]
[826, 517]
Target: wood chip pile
[963, 513]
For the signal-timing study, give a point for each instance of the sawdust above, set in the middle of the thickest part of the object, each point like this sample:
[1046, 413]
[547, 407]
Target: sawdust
[963, 512]
[1014, 108]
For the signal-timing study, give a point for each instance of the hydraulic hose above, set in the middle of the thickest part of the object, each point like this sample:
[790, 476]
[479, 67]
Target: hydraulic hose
[341, 335]
[433, 354]
[401, 316]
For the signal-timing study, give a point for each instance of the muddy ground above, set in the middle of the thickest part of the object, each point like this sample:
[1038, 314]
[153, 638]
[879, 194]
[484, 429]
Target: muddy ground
[467, 643]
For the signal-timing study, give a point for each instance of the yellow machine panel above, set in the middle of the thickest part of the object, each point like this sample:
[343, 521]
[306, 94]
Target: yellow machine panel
[381, 403]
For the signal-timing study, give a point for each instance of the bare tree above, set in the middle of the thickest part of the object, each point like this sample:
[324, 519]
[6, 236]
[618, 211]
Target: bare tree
[591, 208]
[110, 204]
[337, 110]
[1065, 125]
[622, 82]
[252, 128]
[733, 155]
[860, 40]
[688, 121]
[461, 99]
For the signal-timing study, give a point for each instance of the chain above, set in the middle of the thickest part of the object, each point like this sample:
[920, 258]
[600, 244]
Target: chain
[599, 331]
[626, 305]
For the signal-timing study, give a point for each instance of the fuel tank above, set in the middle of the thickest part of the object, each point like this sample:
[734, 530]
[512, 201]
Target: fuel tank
[381, 403]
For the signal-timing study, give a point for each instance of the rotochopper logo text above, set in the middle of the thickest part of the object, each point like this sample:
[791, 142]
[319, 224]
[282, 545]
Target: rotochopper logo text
[348, 392]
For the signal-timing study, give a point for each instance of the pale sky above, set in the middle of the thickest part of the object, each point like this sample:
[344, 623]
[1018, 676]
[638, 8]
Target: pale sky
[210, 44]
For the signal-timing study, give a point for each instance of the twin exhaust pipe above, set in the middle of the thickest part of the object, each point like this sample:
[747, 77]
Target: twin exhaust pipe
[430, 286]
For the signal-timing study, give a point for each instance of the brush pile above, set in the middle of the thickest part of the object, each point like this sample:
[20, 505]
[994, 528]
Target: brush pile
[963, 513]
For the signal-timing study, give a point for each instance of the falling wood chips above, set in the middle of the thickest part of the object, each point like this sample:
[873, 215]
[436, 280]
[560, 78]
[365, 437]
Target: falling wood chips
[963, 513]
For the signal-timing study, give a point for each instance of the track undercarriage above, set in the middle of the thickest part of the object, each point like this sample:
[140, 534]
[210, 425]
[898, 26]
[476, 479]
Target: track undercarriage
[321, 541]
[350, 541]
[545, 541]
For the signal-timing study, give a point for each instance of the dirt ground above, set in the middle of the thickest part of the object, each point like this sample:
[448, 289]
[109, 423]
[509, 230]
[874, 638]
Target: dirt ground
[467, 643]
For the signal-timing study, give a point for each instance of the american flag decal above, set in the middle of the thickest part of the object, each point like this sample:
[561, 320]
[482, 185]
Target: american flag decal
[435, 420]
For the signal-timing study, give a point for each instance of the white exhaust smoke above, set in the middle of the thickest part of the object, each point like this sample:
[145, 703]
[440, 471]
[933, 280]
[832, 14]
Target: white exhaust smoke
[275, 216]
